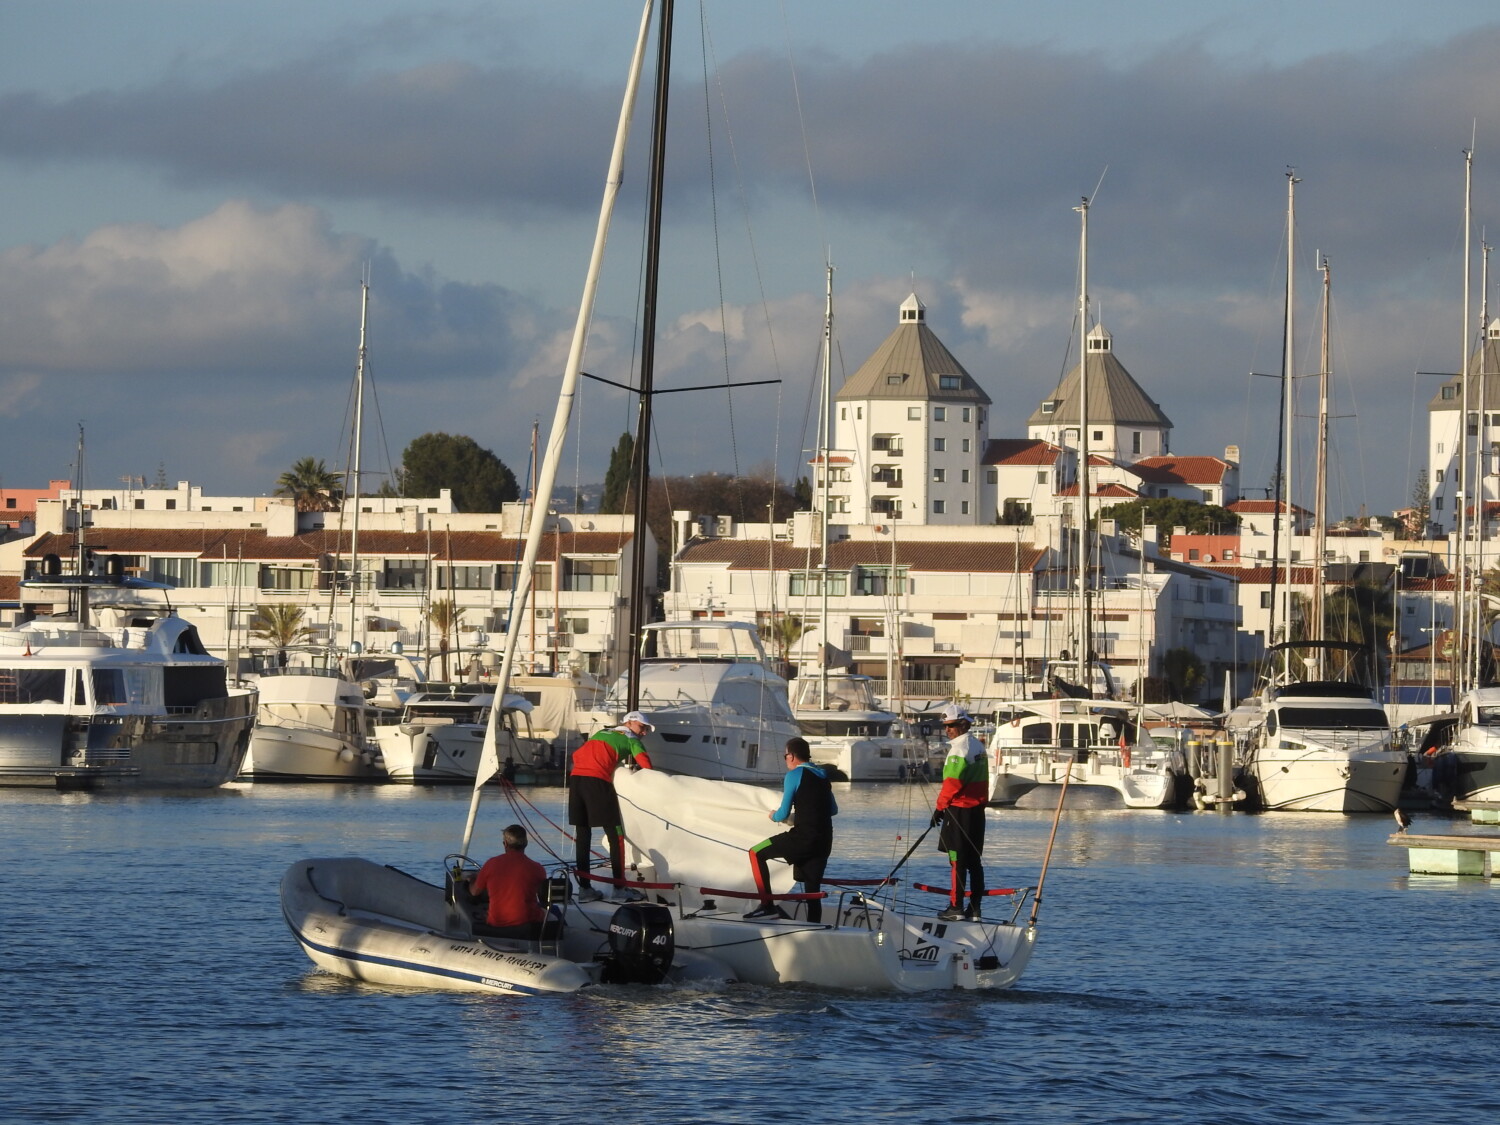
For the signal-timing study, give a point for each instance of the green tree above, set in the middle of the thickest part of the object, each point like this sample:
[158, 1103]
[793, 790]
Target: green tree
[1015, 513]
[1420, 514]
[802, 491]
[479, 480]
[311, 484]
[1167, 512]
[782, 632]
[618, 476]
[281, 625]
[1184, 672]
[444, 616]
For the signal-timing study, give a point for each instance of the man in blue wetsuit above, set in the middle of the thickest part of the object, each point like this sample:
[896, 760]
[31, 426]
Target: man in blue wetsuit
[807, 797]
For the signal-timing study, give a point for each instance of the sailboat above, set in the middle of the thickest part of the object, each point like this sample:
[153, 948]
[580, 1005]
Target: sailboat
[314, 723]
[1080, 735]
[837, 711]
[1316, 738]
[686, 838]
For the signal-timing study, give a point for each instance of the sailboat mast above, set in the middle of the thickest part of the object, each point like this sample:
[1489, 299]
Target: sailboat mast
[638, 606]
[1289, 391]
[359, 422]
[489, 763]
[1481, 491]
[825, 446]
[1460, 647]
[1086, 625]
[1320, 485]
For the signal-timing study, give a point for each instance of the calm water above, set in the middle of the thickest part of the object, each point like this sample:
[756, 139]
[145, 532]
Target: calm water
[1192, 967]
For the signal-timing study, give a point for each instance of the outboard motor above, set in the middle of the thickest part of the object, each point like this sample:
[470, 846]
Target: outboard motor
[641, 944]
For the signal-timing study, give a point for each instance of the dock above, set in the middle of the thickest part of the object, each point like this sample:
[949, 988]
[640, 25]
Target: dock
[1457, 854]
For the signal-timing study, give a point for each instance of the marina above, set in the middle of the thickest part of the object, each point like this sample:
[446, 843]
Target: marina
[1240, 947]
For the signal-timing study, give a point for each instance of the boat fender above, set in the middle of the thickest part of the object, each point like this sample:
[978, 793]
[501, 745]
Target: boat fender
[641, 944]
[346, 755]
[1125, 756]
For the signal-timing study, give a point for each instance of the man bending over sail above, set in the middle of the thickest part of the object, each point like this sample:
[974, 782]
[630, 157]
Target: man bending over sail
[593, 802]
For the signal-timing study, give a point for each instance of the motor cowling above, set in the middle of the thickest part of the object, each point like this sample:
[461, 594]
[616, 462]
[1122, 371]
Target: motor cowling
[641, 944]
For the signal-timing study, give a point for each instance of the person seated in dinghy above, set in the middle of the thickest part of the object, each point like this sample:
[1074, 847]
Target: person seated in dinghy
[513, 882]
[807, 799]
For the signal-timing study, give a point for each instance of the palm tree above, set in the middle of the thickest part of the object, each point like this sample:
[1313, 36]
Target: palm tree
[784, 631]
[444, 616]
[281, 625]
[313, 486]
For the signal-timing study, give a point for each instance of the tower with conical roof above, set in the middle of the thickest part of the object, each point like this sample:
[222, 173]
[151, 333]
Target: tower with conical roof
[1125, 424]
[912, 424]
[1444, 479]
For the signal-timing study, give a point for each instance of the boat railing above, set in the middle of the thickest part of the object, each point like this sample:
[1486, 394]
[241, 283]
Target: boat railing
[57, 637]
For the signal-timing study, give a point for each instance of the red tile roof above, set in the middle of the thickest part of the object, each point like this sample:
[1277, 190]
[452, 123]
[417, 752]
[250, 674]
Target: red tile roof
[1020, 451]
[1253, 506]
[1182, 470]
[950, 555]
[1108, 492]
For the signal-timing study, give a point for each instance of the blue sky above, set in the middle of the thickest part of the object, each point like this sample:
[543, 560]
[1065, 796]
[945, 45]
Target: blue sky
[192, 190]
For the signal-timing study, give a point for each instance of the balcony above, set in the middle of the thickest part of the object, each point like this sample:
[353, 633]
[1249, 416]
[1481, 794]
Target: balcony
[886, 477]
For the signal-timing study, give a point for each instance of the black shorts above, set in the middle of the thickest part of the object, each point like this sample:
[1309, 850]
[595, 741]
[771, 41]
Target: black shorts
[808, 855]
[963, 830]
[592, 803]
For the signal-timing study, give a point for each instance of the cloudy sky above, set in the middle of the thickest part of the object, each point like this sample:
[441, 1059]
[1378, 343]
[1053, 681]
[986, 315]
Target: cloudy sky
[190, 192]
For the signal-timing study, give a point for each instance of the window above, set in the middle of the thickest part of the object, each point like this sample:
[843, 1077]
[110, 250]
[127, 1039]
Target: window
[1098, 435]
[405, 574]
[894, 380]
[171, 504]
[1450, 393]
[1050, 406]
[590, 575]
[878, 580]
[939, 413]
[913, 413]
[963, 507]
[859, 412]
[811, 582]
[950, 382]
[1041, 476]
[1440, 447]
[140, 503]
[1265, 599]
[843, 414]
[965, 414]
[505, 576]
[1439, 476]
[966, 445]
[463, 577]
[963, 476]
[1437, 503]
[939, 445]
[992, 476]
[227, 574]
[174, 572]
[288, 578]
[939, 507]
[10, 501]
[1135, 442]
[939, 476]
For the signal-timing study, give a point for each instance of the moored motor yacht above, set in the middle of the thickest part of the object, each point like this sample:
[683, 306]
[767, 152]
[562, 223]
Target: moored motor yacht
[838, 716]
[1316, 738]
[134, 700]
[439, 735]
[718, 708]
[1089, 743]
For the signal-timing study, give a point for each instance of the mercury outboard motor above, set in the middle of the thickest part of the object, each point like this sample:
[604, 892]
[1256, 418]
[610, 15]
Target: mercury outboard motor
[641, 944]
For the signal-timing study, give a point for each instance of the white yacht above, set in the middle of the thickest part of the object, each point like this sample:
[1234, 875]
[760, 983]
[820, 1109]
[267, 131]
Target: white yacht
[1475, 743]
[1316, 738]
[720, 711]
[136, 701]
[440, 734]
[1088, 742]
[313, 725]
[847, 729]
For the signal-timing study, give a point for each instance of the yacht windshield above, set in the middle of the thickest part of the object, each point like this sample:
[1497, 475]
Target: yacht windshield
[1489, 717]
[1334, 718]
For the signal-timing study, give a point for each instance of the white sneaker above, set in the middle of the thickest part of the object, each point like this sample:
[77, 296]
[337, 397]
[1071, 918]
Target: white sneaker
[629, 894]
[587, 894]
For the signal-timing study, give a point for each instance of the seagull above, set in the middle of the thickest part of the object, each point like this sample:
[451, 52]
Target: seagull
[1403, 820]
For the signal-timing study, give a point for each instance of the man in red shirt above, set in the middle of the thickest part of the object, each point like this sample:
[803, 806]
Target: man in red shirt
[513, 882]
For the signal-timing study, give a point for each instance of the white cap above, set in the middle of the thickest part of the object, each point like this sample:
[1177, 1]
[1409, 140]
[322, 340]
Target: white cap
[953, 713]
[637, 717]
